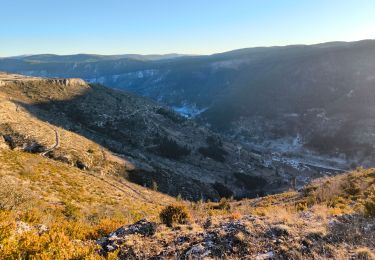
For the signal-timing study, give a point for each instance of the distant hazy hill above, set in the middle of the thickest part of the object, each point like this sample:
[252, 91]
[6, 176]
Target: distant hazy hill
[80, 58]
[316, 97]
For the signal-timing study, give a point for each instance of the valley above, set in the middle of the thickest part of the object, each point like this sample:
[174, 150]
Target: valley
[299, 107]
[88, 171]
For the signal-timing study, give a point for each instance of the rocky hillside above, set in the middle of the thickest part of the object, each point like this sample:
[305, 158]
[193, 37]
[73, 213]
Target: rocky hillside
[84, 172]
[105, 131]
[50, 210]
[311, 105]
[329, 219]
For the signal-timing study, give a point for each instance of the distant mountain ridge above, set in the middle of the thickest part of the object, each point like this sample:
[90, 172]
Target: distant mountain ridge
[92, 57]
[300, 98]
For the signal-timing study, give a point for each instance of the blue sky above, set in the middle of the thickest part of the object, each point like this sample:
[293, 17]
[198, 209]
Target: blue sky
[182, 26]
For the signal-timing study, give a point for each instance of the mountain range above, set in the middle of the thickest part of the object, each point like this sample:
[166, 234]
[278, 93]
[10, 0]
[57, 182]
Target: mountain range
[306, 104]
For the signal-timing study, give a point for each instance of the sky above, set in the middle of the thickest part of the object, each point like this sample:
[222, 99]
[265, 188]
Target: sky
[177, 26]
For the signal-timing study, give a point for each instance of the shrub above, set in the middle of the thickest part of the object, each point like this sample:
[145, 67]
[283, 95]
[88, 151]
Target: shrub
[173, 214]
[171, 149]
[214, 150]
[250, 182]
[13, 194]
[223, 205]
[364, 253]
[301, 206]
[224, 191]
[351, 187]
[70, 211]
[33, 215]
[369, 204]
[154, 186]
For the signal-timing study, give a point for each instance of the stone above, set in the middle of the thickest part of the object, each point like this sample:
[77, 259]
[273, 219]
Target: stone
[279, 231]
[142, 227]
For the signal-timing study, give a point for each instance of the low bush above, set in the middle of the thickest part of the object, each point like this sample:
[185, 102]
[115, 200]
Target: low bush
[173, 214]
[351, 187]
[171, 149]
[301, 206]
[369, 204]
[70, 211]
[224, 191]
[13, 194]
[364, 254]
[222, 205]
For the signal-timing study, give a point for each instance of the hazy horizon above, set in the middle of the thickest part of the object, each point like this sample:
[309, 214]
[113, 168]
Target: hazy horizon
[182, 54]
[163, 27]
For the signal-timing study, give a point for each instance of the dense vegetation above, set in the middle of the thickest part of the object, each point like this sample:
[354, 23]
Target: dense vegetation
[170, 148]
[214, 149]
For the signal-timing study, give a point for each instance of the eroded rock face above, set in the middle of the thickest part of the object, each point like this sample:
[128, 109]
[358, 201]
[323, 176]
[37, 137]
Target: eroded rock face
[116, 238]
[68, 82]
[2, 83]
[16, 141]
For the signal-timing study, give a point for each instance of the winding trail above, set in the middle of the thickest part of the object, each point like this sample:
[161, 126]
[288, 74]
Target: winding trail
[56, 145]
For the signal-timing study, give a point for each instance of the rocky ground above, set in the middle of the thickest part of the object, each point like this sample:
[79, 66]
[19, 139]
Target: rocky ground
[331, 218]
[249, 237]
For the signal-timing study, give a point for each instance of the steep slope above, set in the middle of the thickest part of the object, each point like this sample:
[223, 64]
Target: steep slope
[155, 147]
[309, 100]
[63, 194]
[51, 210]
[332, 218]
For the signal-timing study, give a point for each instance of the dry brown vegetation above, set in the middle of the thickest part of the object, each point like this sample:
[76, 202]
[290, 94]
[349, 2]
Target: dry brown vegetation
[53, 211]
[76, 206]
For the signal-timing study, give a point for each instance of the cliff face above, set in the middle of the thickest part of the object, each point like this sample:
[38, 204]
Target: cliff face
[68, 82]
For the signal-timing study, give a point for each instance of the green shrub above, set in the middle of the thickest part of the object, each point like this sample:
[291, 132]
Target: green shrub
[173, 214]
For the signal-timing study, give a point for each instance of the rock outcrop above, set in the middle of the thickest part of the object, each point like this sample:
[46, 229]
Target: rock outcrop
[68, 82]
[117, 238]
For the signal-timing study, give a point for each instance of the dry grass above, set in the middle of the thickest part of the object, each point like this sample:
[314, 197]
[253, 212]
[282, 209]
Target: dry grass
[81, 206]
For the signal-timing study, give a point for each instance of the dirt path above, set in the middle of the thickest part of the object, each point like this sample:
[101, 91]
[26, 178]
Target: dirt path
[57, 143]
